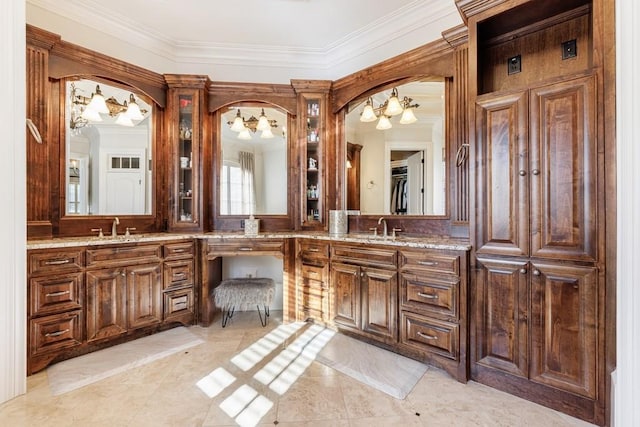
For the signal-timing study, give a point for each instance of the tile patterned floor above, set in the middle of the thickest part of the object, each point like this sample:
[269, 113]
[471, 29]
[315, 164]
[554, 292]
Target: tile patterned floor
[165, 393]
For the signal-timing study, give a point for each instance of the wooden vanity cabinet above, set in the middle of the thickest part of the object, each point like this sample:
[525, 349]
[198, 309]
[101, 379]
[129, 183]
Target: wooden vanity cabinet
[313, 290]
[55, 313]
[433, 307]
[124, 285]
[178, 282]
[365, 285]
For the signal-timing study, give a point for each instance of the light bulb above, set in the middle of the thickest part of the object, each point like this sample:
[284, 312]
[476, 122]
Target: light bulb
[98, 103]
[393, 104]
[408, 117]
[368, 115]
[133, 111]
[383, 123]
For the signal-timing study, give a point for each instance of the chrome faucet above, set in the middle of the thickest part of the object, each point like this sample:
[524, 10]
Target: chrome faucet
[114, 227]
[384, 226]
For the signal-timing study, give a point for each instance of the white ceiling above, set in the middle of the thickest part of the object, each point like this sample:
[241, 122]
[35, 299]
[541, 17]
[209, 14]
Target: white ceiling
[248, 40]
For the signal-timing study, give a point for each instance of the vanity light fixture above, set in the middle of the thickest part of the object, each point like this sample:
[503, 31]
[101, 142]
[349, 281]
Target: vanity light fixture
[85, 110]
[244, 127]
[391, 107]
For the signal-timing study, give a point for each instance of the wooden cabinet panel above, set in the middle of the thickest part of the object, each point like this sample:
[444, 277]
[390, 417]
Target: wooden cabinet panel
[106, 304]
[123, 255]
[380, 302]
[56, 261]
[144, 295]
[245, 247]
[429, 261]
[501, 319]
[178, 273]
[564, 320]
[345, 281]
[56, 332]
[313, 285]
[179, 305]
[563, 165]
[503, 204]
[57, 293]
[430, 335]
[363, 255]
[179, 250]
[435, 295]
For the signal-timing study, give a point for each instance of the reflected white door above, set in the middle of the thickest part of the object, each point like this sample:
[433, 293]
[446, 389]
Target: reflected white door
[125, 183]
[415, 183]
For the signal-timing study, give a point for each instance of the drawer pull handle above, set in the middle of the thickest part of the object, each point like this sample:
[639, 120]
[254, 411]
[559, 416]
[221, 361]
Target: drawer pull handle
[178, 250]
[314, 250]
[179, 275]
[428, 296]
[57, 294]
[56, 334]
[428, 263]
[180, 305]
[58, 261]
[245, 249]
[427, 336]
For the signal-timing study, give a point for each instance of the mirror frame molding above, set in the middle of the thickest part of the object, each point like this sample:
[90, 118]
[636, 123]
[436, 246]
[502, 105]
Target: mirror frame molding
[51, 61]
[281, 96]
[442, 59]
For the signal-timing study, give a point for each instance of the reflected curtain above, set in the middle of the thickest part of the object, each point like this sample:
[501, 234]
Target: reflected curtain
[247, 176]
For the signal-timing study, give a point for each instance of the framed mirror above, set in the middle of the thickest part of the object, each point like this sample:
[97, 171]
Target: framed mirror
[396, 160]
[254, 170]
[108, 150]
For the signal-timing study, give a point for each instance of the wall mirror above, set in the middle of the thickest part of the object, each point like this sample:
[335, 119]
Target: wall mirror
[396, 160]
[108, 150]
[253, 172]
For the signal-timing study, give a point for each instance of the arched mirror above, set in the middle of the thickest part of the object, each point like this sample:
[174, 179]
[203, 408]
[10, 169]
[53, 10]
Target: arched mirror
[108, 150]
[253, 172]
[396, 160]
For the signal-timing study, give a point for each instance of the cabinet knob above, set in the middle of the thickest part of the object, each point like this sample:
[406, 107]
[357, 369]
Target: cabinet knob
[523, 271]
[522, 172]
[535, 172]
[536, 272]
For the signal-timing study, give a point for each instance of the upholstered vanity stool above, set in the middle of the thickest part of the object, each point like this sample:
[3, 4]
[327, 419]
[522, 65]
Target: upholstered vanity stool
[242, 292]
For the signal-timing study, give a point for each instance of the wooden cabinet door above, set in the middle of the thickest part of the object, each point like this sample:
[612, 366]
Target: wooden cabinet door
[563, 157]
[345, 280]
[564, 319]
[502, 177]
[106, 303]
[502, 301]
[380, 302]
[144, 295]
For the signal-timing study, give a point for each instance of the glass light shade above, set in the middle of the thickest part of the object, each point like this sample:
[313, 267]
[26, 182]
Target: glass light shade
[244, 134]
[368, 115]
[393, 105]
[267, 134]
[383, 123]
[263, 122]
[91, 115]
[408, 117]
[133, 111]
[124, 120]
[349, 165]
[238, 123]
[98, 103]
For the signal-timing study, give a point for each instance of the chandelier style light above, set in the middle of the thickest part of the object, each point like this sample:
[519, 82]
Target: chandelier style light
[85, 110]
[391, 107]
[245, 127]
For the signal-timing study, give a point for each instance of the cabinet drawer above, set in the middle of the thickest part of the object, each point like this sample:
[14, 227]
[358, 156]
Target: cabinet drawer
[178, 305]
[314, 250]
[123, 255]
[179, 250]
[55, 332]
[178, 273]
[429, 260]
[430, 335]
[312, 299]
[432, 294]
[245, 247]
[55, 294]
[52, 262]
[371, 256]
[314, 272]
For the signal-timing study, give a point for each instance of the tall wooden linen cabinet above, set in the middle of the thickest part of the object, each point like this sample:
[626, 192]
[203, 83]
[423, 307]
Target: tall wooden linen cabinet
[537, 317]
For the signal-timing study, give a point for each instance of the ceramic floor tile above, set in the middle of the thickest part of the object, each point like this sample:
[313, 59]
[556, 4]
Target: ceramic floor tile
[165, 393]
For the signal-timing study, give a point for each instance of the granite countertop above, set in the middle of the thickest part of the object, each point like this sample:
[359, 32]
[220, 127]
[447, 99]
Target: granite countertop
[427, 242]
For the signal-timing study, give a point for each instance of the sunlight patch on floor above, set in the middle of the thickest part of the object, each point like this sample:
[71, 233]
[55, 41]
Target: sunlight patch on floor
[215, 382]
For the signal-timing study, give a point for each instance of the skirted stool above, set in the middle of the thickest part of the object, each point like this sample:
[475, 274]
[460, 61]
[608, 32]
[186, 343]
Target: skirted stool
[242, 292]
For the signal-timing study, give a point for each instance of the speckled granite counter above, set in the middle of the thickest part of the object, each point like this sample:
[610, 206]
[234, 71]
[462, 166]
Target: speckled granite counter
[427, 242]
